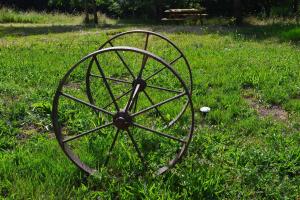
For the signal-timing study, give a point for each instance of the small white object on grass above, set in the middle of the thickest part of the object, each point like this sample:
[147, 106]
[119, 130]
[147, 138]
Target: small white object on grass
[205, 110]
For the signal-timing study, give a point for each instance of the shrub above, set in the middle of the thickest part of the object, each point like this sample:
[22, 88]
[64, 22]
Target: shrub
[292, 35]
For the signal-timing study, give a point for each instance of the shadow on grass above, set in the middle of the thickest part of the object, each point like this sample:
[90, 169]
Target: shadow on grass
[13, 30]
[280, 32]
[16, 30]
[38, 29]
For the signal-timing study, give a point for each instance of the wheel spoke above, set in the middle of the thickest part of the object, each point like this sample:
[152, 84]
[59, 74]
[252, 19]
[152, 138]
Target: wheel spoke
[171, 63]
[159, 133]
[119, 97]
[85, 103]
[132, 97]
[179, 115]
[158, 104]
[122, 60]
[164, 89]
[146, 42]
[152, 103]
[88, 83]
[86, 132]
[141, 156]
[111, 79]
[144, 61]
[145, 57]
[111, 147]
[135, 104]
[175, 60]
[106, 83]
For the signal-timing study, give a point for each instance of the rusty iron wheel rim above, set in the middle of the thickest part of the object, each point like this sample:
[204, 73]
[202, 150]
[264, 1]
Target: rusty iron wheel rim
[147, 35]
[121, 119]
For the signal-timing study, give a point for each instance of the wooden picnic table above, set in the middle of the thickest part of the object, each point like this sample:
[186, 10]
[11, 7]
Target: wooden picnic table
[185, 14]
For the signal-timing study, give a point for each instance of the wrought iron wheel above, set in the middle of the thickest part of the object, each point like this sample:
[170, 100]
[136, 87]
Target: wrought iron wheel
[144, 43]
[90, 141]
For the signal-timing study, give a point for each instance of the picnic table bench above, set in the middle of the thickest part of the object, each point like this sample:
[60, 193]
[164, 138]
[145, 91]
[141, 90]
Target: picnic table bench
[185, 14]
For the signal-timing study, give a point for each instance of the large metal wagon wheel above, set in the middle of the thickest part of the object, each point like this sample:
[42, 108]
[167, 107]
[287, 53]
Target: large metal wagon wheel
[147, 35]
[138, 124]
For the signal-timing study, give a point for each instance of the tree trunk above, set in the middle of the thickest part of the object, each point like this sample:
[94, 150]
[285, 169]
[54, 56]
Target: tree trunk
[237, 9]
[86, 12]
[296, 6]
[188, 4]
[95, 12]
[157, 10]
[268, 6]
[296, 10]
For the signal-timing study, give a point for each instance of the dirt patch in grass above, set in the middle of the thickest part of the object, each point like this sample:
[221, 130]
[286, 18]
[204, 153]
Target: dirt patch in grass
[29, 130]
[72, 85]
[274, 111]
[8, 100]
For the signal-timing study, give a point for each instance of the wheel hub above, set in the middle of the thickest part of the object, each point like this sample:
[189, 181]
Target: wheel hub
[142, 83]
[122, 120]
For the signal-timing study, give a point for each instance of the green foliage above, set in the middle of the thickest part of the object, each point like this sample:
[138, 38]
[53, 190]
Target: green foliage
[154, 9]
[292, 35]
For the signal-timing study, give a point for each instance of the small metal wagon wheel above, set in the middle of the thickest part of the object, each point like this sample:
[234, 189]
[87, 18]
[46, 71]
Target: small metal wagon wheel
[138, 126]
[147, 35]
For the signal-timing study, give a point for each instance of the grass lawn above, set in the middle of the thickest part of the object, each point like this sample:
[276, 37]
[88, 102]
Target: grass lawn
[247, 148]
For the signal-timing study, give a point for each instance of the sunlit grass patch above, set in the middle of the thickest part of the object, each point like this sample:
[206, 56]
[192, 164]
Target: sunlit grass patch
[8, 15]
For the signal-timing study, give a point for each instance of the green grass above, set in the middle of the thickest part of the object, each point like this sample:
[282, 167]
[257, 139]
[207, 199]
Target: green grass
[237, 154]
